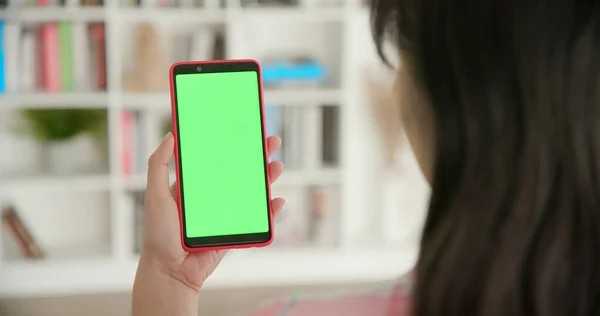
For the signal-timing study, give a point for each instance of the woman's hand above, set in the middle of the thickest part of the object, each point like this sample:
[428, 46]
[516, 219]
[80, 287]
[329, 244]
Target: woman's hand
[163, 260]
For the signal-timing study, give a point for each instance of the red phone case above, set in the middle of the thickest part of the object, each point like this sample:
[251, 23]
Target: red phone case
[178, 169]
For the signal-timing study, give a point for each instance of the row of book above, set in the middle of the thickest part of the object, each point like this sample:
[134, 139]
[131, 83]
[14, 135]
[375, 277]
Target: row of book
[46, 3]
[288, 122]
[310, 218]
[50, 57]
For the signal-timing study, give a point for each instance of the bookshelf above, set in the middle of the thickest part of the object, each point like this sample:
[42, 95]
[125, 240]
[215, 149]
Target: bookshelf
[85, 221]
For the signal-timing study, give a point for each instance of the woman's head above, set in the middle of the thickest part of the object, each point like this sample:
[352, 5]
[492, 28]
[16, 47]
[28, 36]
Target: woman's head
[501, 99]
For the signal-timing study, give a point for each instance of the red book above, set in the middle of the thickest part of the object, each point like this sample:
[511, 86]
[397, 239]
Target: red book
[99, 44]
[127, 127]
[50, 57]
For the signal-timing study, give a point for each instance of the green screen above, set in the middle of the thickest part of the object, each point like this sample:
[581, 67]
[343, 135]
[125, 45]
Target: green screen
[221, 152]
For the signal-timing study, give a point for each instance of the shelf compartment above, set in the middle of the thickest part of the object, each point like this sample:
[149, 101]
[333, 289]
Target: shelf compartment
[54, 232]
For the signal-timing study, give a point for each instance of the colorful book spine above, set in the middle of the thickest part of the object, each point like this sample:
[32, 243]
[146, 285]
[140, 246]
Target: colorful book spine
[50, 57]
[273, 124]
[82, 70]
[2, 66]
[66, 55]
[10, 53]
[127, 128]
[29, 63]
[99, 44]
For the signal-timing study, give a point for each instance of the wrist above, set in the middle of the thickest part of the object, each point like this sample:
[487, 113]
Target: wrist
[156, 292]
[165, 273]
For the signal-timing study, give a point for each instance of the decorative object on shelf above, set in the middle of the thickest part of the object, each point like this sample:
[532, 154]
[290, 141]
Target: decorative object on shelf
[27, 244]
[58, 131]
[150, 65]
[293, 71]
[324, 220]
[316, 213]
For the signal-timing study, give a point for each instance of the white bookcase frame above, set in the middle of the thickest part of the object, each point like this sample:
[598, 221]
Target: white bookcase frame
[359, 258]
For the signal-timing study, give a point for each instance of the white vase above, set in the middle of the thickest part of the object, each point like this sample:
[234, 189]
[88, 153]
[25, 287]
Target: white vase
[73, 156]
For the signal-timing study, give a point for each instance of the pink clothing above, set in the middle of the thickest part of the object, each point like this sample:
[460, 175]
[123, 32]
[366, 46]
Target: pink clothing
[391, 301]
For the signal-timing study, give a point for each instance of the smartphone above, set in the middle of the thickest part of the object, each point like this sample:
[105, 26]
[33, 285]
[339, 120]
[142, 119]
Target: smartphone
[221, 155]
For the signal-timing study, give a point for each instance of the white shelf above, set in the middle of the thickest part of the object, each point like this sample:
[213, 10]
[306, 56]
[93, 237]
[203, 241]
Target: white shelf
[52, 14]
[186, 15]
[63, 183]
[284, 97]
[54, 100]
[27, 278]
[296, 15]
[158, 101]
[290, 178]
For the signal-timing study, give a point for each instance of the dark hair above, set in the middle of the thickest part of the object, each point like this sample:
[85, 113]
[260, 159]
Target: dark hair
[513, 227]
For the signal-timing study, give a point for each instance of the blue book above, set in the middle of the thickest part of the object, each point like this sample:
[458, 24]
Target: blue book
[273, 124]
[2, 71]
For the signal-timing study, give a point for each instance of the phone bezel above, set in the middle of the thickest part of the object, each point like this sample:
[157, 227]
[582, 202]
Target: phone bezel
[225, 241]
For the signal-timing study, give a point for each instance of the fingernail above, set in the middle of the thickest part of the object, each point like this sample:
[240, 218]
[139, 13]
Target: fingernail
[168, 135]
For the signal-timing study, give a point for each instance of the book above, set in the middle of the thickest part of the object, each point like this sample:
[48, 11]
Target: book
[293, 137]
[297, 130]
[273, 126]
[82, 76]
[2, 66]
[132, 150]
[92, 3]
[128, 123]
[29, 63]
[29, 247]
[10, 38]
[331, 137]
[287, 137]
[98, 51]
[66, 56]
[138, 209]
[50, 57]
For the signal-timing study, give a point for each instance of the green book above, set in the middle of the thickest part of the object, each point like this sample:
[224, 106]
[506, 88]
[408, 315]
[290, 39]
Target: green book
[65, 36]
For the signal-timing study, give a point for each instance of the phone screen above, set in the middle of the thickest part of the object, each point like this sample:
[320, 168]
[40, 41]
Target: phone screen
[223, 177]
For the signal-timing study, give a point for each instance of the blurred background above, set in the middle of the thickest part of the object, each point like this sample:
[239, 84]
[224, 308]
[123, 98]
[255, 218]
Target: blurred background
[84, 101]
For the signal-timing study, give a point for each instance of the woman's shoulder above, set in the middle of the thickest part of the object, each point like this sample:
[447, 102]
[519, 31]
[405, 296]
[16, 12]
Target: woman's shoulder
[393, 299]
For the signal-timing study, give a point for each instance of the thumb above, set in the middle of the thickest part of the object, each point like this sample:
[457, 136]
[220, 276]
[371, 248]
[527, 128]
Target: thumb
[157, 186]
